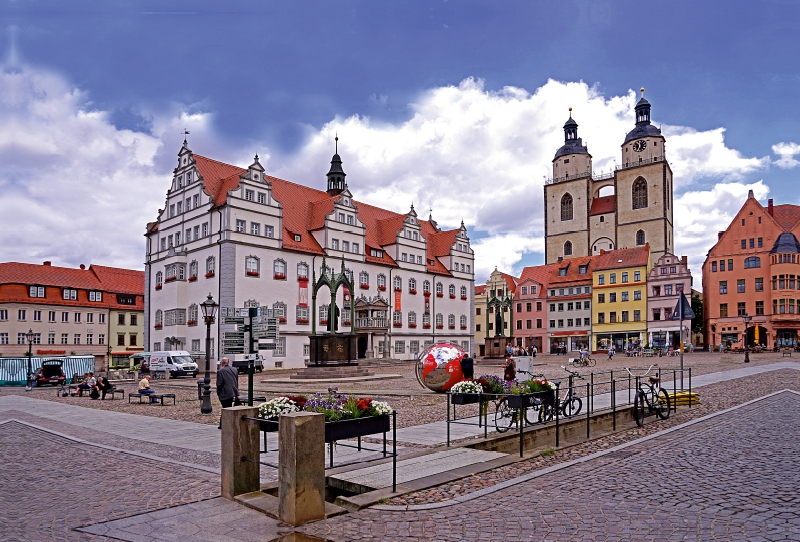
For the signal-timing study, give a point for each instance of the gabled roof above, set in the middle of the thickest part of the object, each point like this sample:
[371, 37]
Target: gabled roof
[626, 257]
[480, 290]
[120, 281]
[786, 215]
[602, 205]
[572, 267]
[47, 275]
[305, 209]
[538, 273]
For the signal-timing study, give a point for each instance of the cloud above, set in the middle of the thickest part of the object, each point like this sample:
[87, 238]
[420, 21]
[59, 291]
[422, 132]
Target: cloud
[786, 151]
[77, 189]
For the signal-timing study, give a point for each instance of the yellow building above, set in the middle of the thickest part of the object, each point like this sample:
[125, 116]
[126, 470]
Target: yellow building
[619, 311]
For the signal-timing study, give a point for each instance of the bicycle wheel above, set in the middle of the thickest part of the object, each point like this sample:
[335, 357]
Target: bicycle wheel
[662, 404]
[638, 408]
[591, 362]
[572, 407]
[503, 416]
[546, 413]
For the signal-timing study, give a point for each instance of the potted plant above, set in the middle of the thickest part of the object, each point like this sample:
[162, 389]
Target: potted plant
[193, 278]
[209, 274]
[412, 291]
[412, 324]
[466, 392]
[452, 296]
[464, 297]
[158, 286]
[364, 286]
[382, 288]
[280, 276]
[252, 273]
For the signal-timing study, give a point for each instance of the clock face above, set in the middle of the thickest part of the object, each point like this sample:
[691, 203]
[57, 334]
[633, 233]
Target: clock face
[639, 146]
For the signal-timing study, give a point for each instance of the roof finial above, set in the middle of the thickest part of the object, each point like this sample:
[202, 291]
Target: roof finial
[570, 112]
[185, 133]
[642, 90]
[337, 143]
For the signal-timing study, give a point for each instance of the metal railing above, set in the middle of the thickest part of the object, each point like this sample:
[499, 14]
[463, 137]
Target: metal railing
[640, 162]
[372, 322]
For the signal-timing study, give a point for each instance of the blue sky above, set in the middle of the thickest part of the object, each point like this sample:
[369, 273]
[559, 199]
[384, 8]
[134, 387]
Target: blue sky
[278, 78]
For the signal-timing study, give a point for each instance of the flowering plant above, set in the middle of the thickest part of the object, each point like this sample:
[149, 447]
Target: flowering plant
[193, 278]
[537, 385]
[209, 274]
[276, 407]
[467, 386]
[493, 384]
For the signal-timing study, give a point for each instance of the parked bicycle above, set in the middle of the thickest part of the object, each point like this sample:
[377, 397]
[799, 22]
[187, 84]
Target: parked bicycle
[588, 361]
[650, 395]
[569, 406]
[505, 416]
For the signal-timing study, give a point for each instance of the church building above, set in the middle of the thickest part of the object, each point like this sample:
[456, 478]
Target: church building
[631, 207]
[251, 239]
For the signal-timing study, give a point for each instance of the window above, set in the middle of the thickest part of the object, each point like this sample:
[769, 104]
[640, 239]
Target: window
[601, 318]
[210, 266]
[723, 286]
[280, 348]
[37, 316]
[612, 278]
[637, 295]
[4, 314]
[452, 290]
[624, 296]
[440, 289]
[759, 285]
[121, 319]
[569, 307]
[51, 338]
[744, 244]
[65, 338]
[637, 276]
[668, 289]
[398, 284]
[255, 228]
[451, 321]
[760, 239]
[612, 297]
[568, 248]
[251, 266]
[357, 250]
[70, 294]
[195, 201]
[426, 286]
[412, 319]
[205, 229]
[637, 316]
[714, 266]
[262, 198]
[601, 279]
[193, 270]
[76, 339]
[560, 307]
[566, 207]
[639, 194]
[639, 236]
[77, 318]
[740, 309]
[101, 318]
[248, 195]
[759, 308]
[22, 314]
[279, 269]
[612, 317]
[625, 277]
[3, 338]
[740, 286]
[752, 261]
[730, 265]
[561, 323]
[439, 320]
[346, 246]
[120, 339]
[723, 310]
[625, 316]
[163, 244]
[36, 291]
[241, 226]
[334, 244]
[64, 317]
[159, 318]
[51, 316]
[538, 305]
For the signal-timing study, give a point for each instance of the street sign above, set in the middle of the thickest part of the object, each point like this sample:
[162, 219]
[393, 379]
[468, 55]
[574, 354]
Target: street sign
[260, 327]
[265, 335]
[233, 335]
[233, 320]
[683, 309]
[232, 350]
[267, 346]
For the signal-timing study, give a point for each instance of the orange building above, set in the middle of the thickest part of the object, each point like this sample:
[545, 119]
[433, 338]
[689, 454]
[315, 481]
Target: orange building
[754, 271]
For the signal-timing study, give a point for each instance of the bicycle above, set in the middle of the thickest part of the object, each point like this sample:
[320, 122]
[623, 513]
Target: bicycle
[583, 362]
[505, 416]
[646, 395]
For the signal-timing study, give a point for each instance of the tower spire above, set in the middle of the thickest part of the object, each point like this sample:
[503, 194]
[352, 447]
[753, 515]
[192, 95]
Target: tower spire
[336, 175]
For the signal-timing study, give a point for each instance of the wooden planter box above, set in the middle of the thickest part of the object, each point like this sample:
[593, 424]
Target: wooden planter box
[527, 400]
[342, 429]
[465, 398]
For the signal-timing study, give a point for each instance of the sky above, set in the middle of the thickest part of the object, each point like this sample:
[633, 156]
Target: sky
[456, 107]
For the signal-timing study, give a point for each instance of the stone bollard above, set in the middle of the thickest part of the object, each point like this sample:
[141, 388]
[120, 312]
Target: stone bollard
[301, 476]
[239, 439]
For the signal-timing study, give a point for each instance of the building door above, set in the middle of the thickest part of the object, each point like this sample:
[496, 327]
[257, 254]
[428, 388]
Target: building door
[362, 346]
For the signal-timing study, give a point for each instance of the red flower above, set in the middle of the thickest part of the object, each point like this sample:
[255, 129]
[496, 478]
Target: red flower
[299, 400]
[364, 403]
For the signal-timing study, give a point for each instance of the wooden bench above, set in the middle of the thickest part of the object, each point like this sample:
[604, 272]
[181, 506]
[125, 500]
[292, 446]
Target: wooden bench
[150, 396]
[72, 391]
[787, 353]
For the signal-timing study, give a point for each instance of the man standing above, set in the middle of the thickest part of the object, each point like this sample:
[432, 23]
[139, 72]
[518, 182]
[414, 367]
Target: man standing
[227, 383]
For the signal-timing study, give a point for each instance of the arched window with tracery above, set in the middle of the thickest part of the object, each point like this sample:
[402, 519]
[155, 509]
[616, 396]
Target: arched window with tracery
[568, 248]
[639, 237]
[639, 194]
[566, 207]
[363, 280]
[426, 286]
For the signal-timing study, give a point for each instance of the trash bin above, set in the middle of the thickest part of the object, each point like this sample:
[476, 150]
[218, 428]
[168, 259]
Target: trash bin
[200, 382]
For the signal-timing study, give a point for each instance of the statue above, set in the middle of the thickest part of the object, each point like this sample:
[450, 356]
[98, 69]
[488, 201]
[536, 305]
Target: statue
[333, 318]
[498, 323]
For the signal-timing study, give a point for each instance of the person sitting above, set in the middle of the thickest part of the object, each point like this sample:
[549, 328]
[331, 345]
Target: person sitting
[87, 384]
[104, 386]
[144, 388]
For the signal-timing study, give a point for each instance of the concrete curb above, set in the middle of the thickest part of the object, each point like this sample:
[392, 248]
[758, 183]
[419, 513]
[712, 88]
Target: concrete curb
[566, 464]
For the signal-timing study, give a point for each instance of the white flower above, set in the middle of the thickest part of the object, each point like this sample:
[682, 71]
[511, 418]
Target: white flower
[467, 386]
[381, 407]
[277, 407]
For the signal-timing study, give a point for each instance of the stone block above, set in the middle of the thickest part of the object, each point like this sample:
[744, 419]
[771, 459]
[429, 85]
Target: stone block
[239, 439]
[301, 473]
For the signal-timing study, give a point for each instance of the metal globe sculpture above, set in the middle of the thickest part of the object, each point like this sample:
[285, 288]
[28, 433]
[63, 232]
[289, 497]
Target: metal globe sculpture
[439, 367]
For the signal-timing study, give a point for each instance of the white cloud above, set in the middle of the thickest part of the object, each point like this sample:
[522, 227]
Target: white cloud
[786, 151]
[78, 189]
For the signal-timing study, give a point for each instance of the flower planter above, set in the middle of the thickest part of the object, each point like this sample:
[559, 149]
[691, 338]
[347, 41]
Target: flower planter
[209, 274]
[465, 398]
[382, 288]
[426, 294]
[302, 321]
[452, 296]
[426, 326]
[323, 322]
[158, 286]
[346, 323]
[365, 286]
[464, 297]
[451, 327]
[439, 295]
[193, 278]
[279, 276]
[527, 400]
[412, 325]
[191, 323]
[170, 279]
[282, 320]
[158, 326]
[301, 278]
[252, 273]
[412, 292]
[397, 324]
[398, 289]
[343, 429]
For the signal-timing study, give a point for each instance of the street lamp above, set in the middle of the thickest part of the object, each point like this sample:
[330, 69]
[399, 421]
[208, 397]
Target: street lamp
[746, 317]
[29, 336]
[209, 307]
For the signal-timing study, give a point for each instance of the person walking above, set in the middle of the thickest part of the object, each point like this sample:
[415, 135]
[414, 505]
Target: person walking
[534, 350]
[611, 352]
[227, 384]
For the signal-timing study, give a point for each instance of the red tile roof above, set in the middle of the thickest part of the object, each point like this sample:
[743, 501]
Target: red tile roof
[305, 209]
[787, 216]
[602, 205]
[626, 257]
[539, 273]
[573, 266]
[480, 290]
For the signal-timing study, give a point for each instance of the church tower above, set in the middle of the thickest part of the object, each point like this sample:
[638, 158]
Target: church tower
[566, 206]
[336, 175]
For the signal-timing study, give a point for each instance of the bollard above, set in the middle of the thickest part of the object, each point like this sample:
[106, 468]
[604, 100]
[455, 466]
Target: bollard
[301, 472]
[200, 382]
[239, 441]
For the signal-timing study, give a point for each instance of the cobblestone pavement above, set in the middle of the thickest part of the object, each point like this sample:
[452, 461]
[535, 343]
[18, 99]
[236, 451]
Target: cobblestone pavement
[51, 485]
[731, 478]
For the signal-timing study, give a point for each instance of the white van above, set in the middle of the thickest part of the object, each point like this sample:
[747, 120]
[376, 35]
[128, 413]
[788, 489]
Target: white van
[177, 362]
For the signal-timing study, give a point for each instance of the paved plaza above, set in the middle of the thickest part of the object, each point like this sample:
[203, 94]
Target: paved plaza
[77, 473]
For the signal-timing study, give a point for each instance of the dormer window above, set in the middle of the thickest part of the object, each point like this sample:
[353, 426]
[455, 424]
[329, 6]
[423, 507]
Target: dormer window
[70, 294]
[36, 291]
[297, 238]
[96, 296]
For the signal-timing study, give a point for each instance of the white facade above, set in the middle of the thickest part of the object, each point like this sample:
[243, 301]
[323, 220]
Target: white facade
[242, 236]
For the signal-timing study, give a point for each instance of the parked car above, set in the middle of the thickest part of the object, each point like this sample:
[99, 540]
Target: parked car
[51, 373]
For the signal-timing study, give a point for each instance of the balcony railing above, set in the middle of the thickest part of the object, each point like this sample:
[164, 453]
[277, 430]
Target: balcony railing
[640, 162]
[379, 323]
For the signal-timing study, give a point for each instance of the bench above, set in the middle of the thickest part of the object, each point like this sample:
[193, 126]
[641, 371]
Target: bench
[787, 353]
[150, 396]
[72, 391]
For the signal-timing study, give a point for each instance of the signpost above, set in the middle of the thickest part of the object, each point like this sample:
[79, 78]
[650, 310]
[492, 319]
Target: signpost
[683, 310]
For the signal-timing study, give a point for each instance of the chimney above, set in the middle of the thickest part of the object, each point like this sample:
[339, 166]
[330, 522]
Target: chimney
[750, 194]
[47, 264]
[685, 260]
[770, 209]
[602, 251]
[719, 235]
[83, 266]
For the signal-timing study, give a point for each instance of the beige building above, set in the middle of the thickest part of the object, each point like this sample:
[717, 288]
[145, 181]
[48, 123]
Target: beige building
[586, 213]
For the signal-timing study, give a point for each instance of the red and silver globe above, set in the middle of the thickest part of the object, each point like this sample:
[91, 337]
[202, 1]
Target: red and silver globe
[439, 368]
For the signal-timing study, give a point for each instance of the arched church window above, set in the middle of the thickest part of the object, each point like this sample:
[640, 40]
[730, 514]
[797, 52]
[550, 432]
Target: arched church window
[639, 194]
[639, 237]
[566, 207]
[568, 248]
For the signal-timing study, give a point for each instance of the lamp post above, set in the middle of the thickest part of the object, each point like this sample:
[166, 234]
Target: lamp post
[746, 319]
[209, 307]
[29, 336]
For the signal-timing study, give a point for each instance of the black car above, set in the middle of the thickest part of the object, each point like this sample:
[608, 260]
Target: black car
[50, 373]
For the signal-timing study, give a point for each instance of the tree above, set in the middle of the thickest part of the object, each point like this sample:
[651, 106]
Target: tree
[697, 308]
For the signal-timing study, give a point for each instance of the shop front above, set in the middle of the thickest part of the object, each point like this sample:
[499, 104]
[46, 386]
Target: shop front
[668, 338]
[573, 342]
[731, 340]
[757, 336]
[620, 341]
[786, 338]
